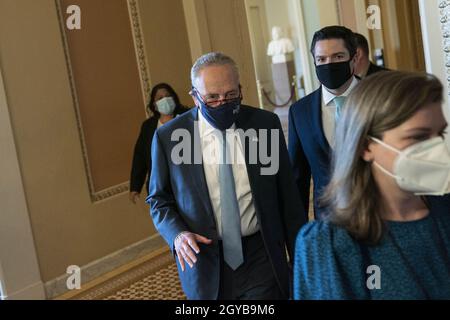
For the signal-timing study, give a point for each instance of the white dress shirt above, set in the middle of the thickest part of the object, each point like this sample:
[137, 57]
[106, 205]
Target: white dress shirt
[211, 150]
[329, 110]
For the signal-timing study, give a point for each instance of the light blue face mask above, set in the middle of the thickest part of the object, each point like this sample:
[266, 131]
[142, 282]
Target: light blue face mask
[166, 106]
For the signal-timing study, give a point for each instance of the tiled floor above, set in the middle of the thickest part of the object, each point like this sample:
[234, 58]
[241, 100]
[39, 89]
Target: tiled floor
[162, 285]
[155, 279]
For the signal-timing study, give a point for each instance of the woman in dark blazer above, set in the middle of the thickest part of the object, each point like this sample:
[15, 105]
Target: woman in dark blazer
[164, 105]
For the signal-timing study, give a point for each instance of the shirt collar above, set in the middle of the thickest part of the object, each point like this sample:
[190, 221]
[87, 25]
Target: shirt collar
[327, 96]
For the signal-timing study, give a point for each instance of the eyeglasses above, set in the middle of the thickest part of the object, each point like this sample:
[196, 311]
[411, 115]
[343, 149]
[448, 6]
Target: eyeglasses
[215, 100]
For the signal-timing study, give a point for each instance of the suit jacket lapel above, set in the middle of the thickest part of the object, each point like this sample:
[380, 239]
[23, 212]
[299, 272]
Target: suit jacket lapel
[315, 114]
[253, 169]
[196, 170]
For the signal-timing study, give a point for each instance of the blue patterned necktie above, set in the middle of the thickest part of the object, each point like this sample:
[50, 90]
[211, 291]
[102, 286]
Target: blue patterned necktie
[230, 214]
[339, 102]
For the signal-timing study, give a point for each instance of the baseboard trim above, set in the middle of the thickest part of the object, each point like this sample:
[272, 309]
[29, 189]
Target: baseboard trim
[98, 269]
[34, 291]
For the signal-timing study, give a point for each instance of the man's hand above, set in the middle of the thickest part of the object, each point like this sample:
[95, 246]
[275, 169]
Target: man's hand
[134, 196]
[185, 246]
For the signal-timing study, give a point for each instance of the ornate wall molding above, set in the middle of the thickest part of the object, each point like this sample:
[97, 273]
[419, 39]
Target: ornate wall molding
[76, 104]
[444, 11]
[122, 188]
[141, 56]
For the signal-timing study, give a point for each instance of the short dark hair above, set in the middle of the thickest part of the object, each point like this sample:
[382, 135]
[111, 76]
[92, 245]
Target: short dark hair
[361, 42]
[335, 32]
[173, 94]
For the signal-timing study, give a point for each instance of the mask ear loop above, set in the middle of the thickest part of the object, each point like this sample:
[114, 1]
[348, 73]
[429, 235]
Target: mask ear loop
[377, 164]
[354, 62]
[148, 111]
[384, 170]
[384, 144]
[194, 92]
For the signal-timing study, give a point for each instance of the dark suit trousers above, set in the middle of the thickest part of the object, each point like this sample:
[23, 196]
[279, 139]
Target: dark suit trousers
[254, 279]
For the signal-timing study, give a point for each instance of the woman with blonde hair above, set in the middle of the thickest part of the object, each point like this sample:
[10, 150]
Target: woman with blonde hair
[387, 230]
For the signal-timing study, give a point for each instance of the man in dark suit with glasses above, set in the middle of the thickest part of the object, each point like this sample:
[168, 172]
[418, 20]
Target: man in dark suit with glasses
[222, 193]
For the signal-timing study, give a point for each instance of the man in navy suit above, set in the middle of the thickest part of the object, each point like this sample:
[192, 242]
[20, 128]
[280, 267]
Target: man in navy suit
[222, 193]
[312, 119]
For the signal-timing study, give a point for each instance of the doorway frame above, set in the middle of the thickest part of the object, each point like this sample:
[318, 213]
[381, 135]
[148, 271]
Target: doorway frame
[433, 44]
[303, 46]
[20, 276]
[299, 26]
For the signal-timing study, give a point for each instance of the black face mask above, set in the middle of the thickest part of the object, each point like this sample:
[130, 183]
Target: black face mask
[223, 116]
[334, 75]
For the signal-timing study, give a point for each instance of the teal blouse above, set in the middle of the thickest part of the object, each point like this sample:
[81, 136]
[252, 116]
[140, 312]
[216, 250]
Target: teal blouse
[413, 260]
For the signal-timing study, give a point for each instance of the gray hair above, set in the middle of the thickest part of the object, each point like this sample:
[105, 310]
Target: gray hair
[211, 59]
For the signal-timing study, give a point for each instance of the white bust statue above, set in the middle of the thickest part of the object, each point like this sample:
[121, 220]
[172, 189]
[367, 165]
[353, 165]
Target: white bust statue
[280, 46]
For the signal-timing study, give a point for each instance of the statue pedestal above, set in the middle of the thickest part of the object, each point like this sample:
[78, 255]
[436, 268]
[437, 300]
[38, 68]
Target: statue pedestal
[282, 74]
[281, 58]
